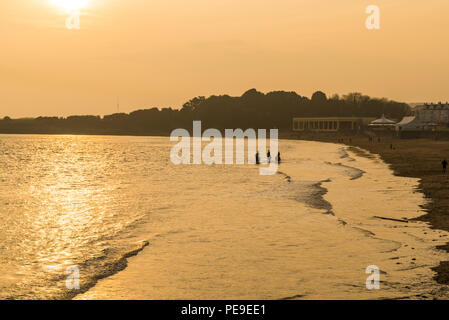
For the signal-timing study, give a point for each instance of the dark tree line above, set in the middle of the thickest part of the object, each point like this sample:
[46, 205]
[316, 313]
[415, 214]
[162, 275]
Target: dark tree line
[252, 110]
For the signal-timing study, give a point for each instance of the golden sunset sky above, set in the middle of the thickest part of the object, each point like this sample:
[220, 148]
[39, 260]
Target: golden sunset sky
[164, 52]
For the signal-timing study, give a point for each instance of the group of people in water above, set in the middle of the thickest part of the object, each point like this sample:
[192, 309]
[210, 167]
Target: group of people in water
[277, 158]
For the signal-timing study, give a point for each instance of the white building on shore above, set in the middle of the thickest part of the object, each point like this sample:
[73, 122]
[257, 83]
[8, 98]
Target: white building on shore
[382, 122]
[433, 113]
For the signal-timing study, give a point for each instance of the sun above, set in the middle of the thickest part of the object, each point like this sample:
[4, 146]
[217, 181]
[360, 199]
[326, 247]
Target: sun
[71, 5]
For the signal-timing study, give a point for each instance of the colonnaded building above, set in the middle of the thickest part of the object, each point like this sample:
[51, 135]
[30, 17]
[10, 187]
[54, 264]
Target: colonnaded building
[330, 123]
[433, 113]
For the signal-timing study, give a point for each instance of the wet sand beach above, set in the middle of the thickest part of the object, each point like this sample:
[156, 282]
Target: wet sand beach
[417, 158]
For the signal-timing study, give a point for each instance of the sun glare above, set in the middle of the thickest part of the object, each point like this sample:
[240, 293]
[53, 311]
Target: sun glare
[71, 5]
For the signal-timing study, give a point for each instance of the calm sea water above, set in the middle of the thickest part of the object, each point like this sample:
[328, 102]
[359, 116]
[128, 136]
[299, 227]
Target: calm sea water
[216, 232]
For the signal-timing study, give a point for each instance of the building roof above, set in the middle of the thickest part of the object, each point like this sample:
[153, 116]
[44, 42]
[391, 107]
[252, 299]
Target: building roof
[409, 121]
[382, 121]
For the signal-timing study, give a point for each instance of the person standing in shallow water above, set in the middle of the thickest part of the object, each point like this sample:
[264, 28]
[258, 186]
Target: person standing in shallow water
[278, 157]
[444, 164]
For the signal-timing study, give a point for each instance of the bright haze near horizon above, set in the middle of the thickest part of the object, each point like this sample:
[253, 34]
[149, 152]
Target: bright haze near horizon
[161, 53]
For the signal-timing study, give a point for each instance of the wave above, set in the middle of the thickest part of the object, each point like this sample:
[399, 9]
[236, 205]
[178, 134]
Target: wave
[363, 153]
[318, 201]
[111, 267]
[354, 173]
[311, 194]
[286, 176]
[345, 155]
[295, 297]
[53, 287]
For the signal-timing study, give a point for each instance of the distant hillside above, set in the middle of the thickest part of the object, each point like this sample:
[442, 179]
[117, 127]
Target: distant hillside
[253, 109]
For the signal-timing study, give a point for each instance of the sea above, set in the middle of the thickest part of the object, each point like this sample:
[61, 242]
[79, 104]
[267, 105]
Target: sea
[136, 226]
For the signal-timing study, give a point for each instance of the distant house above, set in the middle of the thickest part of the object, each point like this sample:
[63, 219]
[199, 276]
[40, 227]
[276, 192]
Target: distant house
[413, 124]
[329, 124]
[433, 113]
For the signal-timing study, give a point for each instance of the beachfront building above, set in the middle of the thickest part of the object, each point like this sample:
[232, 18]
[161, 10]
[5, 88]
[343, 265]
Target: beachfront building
[413, 124]
[329, 124]
[382, 122]
[433, 113]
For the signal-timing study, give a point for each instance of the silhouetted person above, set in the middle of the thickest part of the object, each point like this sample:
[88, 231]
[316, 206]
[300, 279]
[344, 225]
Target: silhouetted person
[268, 156]
[444, 164]
[278, 157]
[257, 158]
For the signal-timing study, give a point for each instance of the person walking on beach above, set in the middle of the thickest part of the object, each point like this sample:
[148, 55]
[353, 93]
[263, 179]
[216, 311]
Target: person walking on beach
[268, 156]
[257, 158]
[444, 164]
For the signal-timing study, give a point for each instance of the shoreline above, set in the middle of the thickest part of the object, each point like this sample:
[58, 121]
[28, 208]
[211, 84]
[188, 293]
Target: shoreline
[415, 158]
[285, 244]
